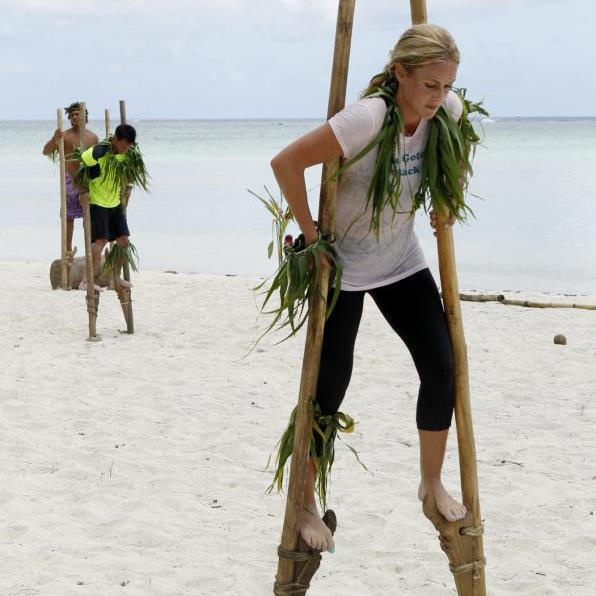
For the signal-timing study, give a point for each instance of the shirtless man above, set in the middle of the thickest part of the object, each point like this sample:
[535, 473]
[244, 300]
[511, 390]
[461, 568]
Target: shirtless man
[71, 140]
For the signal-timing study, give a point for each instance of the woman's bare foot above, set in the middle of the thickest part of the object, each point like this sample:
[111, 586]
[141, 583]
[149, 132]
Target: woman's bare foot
[313, 530]
[447, 506]
[122, 283]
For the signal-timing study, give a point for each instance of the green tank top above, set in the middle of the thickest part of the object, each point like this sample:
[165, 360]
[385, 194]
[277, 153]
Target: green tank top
[102, 192]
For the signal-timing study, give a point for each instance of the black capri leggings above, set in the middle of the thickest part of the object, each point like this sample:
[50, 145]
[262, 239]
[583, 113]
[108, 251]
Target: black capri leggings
[413, 308]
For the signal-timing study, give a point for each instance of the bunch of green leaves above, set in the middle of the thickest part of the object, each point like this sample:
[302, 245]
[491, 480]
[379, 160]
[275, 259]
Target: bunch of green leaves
[130, 170]
[118, 173]
[282, 216]
[294, 284]
[117, 256]
[447, 162]
[385, 184]
[81, 177]
[53, 156]
[321, 448]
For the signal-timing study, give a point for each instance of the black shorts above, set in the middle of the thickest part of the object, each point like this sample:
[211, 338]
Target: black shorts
[107, 223]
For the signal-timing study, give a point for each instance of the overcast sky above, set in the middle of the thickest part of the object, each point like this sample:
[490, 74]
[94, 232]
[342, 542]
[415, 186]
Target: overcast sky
[272, 58]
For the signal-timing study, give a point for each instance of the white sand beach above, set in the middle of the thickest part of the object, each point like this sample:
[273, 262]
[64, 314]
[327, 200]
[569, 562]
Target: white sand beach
[135, 465]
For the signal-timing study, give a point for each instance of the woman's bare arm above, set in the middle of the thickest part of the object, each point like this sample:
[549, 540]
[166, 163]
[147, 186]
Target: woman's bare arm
[316, 147]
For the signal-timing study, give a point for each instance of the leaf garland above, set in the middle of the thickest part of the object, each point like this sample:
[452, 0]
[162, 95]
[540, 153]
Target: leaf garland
[447, 162]
[321, 449]
[385, 185]
[446, 166]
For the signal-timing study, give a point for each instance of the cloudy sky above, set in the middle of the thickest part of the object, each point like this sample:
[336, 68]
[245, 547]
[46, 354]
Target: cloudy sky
[271, 58]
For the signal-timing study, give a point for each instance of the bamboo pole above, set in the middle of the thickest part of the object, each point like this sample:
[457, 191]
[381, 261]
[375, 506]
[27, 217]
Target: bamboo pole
[418, 11]
[122, 105]
[316, 317]
[482, 297]
[107, 121]
[92, 296]
[472, 581]
[531, 304]
[64, 264]
[125, 296]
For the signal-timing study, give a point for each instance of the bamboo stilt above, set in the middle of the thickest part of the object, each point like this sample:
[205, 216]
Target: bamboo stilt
[125, 294]
[469, 579]
[92, 296]
[107, 127]
[64, 264]
[472, 582]
[316, 319]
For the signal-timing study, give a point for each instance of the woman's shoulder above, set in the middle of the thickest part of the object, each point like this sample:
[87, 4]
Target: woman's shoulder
[358, 123]
[367, 113]
[374, 106]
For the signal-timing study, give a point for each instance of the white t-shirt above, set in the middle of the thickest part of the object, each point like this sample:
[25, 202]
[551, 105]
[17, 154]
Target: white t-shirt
[369, 262]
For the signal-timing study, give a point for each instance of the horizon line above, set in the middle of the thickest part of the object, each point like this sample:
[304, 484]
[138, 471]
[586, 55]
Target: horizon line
[290, 118]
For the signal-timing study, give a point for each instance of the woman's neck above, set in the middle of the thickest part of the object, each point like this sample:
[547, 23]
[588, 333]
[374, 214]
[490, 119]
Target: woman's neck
[410, 118]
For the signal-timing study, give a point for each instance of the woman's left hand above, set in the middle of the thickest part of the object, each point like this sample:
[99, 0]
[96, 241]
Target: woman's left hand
[434, 221]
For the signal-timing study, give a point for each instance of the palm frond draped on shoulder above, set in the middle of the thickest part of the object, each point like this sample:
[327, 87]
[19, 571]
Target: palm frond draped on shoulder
[117, 173]
[447, 163]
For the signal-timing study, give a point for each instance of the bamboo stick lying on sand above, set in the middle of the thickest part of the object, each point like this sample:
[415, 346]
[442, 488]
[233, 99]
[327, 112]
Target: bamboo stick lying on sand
[529, 303]
[481, 297]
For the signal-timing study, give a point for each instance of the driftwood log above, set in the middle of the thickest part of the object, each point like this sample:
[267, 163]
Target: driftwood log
[77, 274]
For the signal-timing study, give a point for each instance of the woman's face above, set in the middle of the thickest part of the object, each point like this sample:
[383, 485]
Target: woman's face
[422, 90]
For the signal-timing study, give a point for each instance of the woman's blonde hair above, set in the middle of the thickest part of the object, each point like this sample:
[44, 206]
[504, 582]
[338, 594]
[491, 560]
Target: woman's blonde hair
[420, 45]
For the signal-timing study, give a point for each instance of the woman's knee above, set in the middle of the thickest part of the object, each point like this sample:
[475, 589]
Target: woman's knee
[437, 394]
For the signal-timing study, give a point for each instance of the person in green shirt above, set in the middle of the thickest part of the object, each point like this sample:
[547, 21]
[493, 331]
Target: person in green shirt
[106, 185]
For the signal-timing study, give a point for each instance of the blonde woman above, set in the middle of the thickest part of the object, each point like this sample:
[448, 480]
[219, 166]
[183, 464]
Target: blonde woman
[377, 247]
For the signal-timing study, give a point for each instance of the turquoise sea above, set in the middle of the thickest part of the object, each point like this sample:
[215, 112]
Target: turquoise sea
[535, 225]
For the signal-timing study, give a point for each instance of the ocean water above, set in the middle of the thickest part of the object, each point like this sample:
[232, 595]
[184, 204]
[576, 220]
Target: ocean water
[534, 230]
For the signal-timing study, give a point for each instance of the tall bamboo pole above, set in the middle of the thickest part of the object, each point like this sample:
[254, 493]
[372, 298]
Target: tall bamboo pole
[92, 296]
[126, 297]
[64, 265]
[471, 583]
[418, 11]
[107, 121]
[317, 307]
